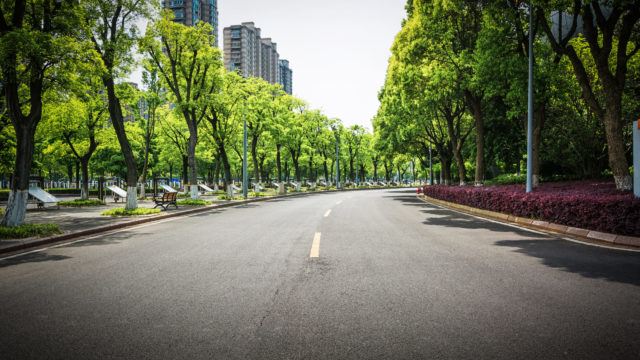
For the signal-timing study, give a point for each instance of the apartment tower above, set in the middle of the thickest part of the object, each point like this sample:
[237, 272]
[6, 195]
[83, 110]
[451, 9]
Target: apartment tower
[189, 12]
[246, 52]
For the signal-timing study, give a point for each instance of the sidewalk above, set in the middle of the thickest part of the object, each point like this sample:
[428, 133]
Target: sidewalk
[77, 222]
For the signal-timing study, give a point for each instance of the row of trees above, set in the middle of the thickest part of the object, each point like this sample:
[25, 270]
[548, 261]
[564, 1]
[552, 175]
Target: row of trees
[66, 104]
[458, 73]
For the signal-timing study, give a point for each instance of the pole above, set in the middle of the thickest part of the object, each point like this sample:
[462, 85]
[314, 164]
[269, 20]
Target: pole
[337, 161]
[530, 107]
[245, 172]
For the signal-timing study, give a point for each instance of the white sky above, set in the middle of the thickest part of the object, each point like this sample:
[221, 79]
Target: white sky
[338, 49]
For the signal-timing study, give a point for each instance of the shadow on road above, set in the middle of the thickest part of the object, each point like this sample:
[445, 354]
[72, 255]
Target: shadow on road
[32, 258]
[448, 218]
[588, 261]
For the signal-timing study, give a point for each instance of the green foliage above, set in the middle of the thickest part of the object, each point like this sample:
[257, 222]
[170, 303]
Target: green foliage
[507, 179]
[81, 203]
[29, 230]
[135, 212]
[194, 202]
[227, 197]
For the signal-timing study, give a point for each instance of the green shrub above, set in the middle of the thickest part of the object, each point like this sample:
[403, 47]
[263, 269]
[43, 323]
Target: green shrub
[194, 202]
[226, 197]
[507, 179]
[81, 203]
[135, 212]
[28, 230]
[257, 194]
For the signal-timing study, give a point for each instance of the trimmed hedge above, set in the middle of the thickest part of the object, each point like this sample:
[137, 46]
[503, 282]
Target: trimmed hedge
[588, 205]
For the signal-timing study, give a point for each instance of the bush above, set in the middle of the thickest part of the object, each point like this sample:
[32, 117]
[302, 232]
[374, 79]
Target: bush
[135, 212]
[81, 203]
[194, 202]
[593, 206]
[257, 194]
[28, 230]
[227, 197]
[507, 179]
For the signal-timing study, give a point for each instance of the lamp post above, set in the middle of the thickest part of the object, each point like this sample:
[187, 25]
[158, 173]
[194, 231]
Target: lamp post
[530, 107]
[335, 130]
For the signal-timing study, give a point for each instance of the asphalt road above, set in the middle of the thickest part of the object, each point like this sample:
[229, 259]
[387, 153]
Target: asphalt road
[395, 278]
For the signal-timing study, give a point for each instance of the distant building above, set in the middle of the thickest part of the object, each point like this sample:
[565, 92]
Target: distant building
[246, 52]
[285, 76]
[189, 12]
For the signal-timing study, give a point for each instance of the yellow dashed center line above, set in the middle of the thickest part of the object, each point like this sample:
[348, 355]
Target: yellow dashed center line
[315, 247]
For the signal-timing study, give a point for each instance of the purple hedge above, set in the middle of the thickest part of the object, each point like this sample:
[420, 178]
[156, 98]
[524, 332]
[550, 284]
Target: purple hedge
[588, 205]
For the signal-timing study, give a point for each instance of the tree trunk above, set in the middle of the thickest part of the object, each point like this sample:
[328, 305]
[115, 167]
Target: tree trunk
[538, 124]
[326, 170]
[145, 167]
[84, 191]
[478, 118]
[17, 204]
[185, 170]
[193, 164]
[115, 111]
[279, 162]
[615, 144]
[77, 174]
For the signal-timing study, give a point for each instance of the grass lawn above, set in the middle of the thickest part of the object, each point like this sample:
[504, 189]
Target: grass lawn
[135, 212]
[28, 230]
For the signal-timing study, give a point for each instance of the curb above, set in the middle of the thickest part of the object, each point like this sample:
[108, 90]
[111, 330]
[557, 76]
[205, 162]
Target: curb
[101, 229]
[583, 234]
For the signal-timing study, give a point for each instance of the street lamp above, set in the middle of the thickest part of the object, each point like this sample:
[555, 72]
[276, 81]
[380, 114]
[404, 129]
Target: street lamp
[530, 107]
[337, 134]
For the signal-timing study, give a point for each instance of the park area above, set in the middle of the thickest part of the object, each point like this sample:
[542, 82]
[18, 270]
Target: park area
[592, 205]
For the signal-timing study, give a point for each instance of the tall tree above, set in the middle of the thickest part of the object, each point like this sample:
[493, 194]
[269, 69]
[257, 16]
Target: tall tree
[611, 33]
[37, 39]
[189, 65]
[111, 27]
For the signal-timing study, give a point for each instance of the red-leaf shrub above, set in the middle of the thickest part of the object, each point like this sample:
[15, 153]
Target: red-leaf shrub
[588, 205]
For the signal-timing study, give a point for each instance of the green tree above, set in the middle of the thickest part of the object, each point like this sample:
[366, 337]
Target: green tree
[612, 39]
[189, 65]
[38, 44]
[111, 27]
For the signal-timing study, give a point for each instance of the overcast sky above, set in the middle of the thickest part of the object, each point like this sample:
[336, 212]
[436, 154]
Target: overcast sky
[338, 49]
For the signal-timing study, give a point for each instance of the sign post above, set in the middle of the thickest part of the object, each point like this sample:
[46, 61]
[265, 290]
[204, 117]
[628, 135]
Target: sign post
[636, 158]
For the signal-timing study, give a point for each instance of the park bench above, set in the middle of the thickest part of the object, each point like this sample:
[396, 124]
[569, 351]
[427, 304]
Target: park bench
[167, 199]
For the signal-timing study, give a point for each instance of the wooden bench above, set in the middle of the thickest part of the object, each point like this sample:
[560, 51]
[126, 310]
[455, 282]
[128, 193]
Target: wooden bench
[167, 199]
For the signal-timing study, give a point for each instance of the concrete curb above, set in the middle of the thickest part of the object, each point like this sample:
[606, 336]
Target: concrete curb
[583, 234]
[29, 244]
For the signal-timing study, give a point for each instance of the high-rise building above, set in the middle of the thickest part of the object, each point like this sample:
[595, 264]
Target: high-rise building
[285, 76]
[246, 52]
[189, 12]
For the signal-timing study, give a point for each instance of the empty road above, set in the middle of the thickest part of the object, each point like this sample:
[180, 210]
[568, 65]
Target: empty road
[351, 275]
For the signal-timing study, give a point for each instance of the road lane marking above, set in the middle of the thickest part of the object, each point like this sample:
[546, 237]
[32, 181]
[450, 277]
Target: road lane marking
[327, 213]
[339, 202]
[315, 247]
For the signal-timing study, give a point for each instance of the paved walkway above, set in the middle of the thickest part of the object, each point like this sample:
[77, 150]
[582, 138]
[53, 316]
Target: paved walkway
[72, 220]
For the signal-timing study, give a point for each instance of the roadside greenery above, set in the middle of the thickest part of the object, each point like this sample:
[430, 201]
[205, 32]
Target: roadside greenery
[81, 203]
[28, 230]
[454, 96]
[194, 202]
[134, 212]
